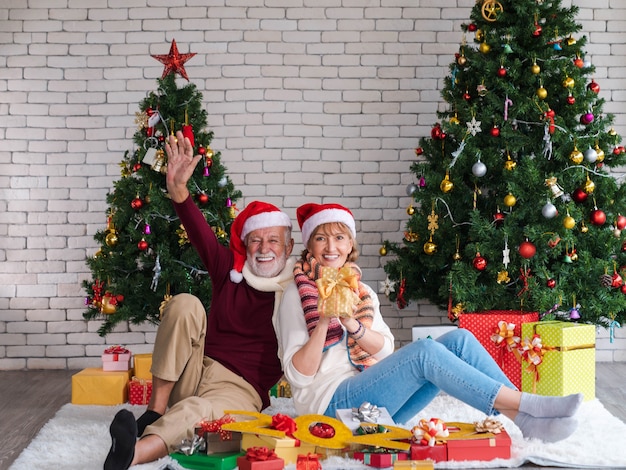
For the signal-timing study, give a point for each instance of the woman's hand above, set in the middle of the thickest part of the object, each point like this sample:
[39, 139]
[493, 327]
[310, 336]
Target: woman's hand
[180, 166]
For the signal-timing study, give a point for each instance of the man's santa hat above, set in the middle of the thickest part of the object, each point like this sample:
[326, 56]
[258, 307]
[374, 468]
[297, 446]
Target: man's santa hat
[255, 216]
[310, 216]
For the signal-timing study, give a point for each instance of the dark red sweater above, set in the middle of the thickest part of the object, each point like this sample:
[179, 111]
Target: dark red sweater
[239, 332]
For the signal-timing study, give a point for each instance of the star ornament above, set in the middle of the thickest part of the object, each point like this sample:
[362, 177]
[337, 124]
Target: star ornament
[174, 61]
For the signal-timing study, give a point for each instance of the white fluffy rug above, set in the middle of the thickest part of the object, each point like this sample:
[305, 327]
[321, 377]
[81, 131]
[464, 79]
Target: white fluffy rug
[77, 438]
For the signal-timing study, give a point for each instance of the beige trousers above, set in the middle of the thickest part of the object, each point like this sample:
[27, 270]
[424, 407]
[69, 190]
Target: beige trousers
[204, 388]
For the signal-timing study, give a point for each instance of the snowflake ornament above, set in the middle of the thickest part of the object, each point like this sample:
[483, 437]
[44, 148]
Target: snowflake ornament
[387, 286]
[473, 127]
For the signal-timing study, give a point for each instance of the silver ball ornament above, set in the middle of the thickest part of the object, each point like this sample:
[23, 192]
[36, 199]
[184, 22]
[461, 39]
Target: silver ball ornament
[549, 211]
[590, 155]
[479, 169]
[410, 189]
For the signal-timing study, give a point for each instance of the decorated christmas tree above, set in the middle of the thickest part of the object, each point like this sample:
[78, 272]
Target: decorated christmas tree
[514, 206]
[144, 254]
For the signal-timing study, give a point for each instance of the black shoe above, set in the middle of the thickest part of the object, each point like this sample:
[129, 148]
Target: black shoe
[145, 420]
[123, 432]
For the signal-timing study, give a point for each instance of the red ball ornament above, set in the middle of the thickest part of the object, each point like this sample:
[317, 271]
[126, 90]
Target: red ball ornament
[495, 131]
[620, 222]
[571, 99]
[435, 132]
[136, 203]
[467, 96]
[419, 151]
[623, 288]
[579, 195]
[479, 262]
[472, 27]
[551, 283]
[498, 218]
[527, 249]
[593, 86]
[538, 30]
[203, 198]
[597, 217]
[136, 167]
[578, 62]
[501, 72]
[149, 111]
[142, 245]
[201, 150]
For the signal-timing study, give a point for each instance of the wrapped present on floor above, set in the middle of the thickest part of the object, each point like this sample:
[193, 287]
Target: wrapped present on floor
[116, 358]
[139, 391]
[366, 413]
[308, 462]
[430, 331]
[499, 331]
[201, 461]
[559, 358]
[142, 364]
[285, 448]
[94, 386]
[380, 458]
[413, 465]
[216, 439]
[486, 440]
[260, 458]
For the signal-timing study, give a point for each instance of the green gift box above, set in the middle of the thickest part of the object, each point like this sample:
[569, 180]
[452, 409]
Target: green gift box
[201, 461]
[569, 359]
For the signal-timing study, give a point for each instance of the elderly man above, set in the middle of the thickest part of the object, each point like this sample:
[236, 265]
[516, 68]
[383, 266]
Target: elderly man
[203, 365]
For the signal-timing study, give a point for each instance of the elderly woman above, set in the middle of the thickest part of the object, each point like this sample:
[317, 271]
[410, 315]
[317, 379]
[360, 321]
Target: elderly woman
[338, 357]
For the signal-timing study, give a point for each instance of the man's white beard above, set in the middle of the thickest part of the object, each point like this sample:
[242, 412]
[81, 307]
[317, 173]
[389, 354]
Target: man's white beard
[266, 268]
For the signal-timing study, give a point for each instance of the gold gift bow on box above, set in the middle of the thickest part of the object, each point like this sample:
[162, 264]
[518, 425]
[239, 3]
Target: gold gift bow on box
[341, 286]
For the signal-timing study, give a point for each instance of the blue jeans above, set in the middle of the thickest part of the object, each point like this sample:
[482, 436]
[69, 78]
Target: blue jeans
[408, 380]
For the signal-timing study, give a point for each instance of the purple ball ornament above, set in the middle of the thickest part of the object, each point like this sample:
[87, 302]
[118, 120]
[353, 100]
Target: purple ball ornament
[586, 119]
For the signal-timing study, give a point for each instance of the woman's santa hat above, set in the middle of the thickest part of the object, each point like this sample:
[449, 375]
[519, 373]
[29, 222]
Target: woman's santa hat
[256, 215]
[310, 216]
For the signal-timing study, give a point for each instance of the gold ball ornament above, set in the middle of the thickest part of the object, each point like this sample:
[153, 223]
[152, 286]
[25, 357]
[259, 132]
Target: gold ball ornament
[410, 210]
[111, 238]
[589, 186]
[568, 82]
[600, 152]
[576, 156]
[429, 247]
[446, 185]
[535, 69]
[457, 256]
[480, 35]
[383, 251]
[509, 200]
[462, 60]
[484, 48]
[569, 222]
[542, 93]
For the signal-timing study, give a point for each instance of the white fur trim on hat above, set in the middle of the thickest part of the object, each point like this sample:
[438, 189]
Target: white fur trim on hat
[265, 220]
[326, 216]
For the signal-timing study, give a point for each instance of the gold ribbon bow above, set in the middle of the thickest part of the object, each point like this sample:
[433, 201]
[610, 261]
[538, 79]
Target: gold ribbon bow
[337, 292]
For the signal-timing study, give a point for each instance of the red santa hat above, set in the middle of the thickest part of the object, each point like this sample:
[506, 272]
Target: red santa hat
[255, 216]
[310, 216]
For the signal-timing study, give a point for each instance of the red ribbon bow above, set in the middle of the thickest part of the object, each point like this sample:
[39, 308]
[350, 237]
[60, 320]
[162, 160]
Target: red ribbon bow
[284, 423]
[308, 462]
[260, 454]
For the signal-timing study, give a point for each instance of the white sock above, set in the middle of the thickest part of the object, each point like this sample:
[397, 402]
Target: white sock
[546, 429]
[541, 406]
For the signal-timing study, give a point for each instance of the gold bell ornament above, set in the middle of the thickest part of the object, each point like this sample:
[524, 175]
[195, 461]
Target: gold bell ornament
[429, 247]
[589, 186]
[446, 185]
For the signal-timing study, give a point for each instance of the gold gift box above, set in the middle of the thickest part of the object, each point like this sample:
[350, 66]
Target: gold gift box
[94, 386]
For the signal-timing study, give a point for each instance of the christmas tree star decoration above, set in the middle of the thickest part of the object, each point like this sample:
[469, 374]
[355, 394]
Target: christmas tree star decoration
[174, 61]
[387, 286]
[474, 126]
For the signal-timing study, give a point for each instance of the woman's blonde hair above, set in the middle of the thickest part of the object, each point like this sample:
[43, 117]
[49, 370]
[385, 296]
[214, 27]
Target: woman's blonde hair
[335, 228]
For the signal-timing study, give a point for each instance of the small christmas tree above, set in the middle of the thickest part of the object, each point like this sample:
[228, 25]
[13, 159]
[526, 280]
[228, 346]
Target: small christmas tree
[513, 205]
[144, 254]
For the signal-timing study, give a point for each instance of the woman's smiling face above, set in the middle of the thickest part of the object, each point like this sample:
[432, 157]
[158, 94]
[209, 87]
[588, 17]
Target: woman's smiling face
[331, 244]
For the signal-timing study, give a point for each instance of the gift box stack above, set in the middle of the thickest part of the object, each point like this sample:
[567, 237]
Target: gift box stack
[559, 358]
[499, 331]
[440, 442]
[106, 385]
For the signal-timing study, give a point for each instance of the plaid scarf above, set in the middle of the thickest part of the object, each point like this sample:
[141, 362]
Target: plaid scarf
[306, 272]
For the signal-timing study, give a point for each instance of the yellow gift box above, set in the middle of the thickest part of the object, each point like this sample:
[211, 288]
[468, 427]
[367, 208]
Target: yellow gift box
[568, 363]
[285, 448]
[143, 363]
[94, 386]
[337, 292]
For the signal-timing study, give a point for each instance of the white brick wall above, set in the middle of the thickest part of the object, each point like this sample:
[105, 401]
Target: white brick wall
[308, 100]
